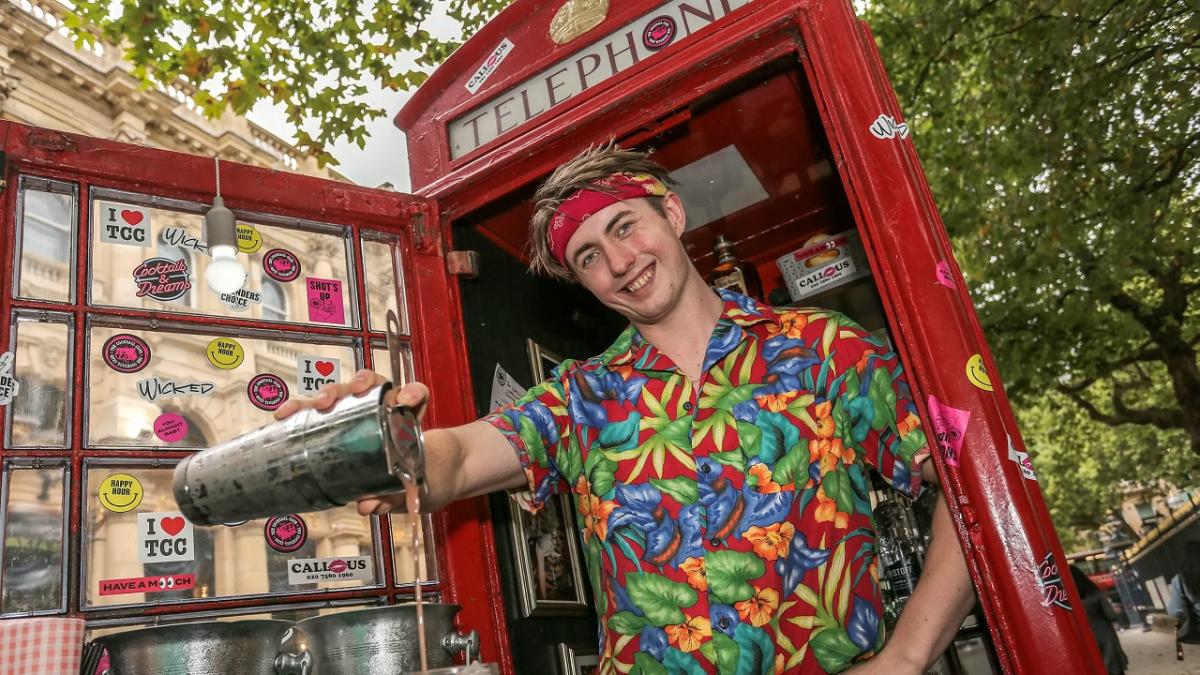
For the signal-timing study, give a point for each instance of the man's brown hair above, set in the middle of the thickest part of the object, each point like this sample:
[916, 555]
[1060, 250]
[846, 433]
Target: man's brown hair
[589, 166]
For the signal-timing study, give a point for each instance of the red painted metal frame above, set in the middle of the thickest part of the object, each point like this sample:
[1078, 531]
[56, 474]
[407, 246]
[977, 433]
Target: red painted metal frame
[1003, 523]
[462, 531]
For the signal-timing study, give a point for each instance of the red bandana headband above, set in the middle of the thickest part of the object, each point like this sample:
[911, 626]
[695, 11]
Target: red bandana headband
[580, 206]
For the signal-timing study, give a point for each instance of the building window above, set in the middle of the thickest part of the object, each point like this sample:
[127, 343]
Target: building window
[274, 301]
[48, 225]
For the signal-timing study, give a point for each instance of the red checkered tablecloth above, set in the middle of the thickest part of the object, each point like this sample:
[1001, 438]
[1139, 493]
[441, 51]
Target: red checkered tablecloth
[49, 646]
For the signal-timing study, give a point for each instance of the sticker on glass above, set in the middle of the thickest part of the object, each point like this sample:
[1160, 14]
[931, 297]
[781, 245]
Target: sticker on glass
[944, 276]
[162, 279]
[170, 427]
[242, 300]
[949, 428]
[177, 236]
[122, 224]
[314, 372]
[267, 391]
[120, 493]
[281, 265]
[154, 388]
[325, 301]
[886, 126]
[313, 570]
[285, 533]
[248, 238]
[155, 584]
[164, 537]
[9, 387]
[126, 353]
[225, 353]
[977, 374]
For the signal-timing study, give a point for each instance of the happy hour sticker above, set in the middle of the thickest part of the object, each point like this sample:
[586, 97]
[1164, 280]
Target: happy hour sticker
[314, 372]
[122, 224]
[170, 427]
[164, 537]
[248, 238]
[225, 353]
[120, 493]
[325, 301]
[949, 427]
[977, 374]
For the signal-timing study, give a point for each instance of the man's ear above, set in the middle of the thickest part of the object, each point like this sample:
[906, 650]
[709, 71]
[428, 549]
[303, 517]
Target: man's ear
[673, 207]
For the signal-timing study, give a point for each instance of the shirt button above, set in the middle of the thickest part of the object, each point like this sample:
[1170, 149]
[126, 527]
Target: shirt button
[687, 405]
[715, 542]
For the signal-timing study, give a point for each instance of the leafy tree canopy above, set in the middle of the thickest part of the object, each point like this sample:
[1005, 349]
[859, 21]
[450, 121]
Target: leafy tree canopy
[315, 58]
[1062, 141]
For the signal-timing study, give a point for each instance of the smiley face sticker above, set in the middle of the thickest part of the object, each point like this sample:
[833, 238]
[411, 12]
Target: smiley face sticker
[977, 374]
[225, 353]
[248, 238]
[120, 493]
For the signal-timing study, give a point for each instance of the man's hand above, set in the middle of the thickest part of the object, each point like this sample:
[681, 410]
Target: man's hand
[414, 395]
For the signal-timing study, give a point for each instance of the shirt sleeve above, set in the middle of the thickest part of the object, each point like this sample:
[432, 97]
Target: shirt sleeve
[873, 404]
[535, 425]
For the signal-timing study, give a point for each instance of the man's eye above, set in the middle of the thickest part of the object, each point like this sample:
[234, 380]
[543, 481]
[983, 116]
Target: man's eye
[625, 227]
[588, 259]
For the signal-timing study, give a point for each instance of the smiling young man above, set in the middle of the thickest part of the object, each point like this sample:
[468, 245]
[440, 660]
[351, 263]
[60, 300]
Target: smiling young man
[717, 452]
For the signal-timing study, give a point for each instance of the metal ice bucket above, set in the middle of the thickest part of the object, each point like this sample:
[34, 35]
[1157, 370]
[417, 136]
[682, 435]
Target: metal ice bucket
[376, 640]
[207, 648]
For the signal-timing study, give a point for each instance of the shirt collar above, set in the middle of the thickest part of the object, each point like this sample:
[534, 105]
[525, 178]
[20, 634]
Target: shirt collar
[631, 349]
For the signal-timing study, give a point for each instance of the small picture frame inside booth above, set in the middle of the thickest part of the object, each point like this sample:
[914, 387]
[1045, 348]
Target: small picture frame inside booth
[545, 545]
[578, 659]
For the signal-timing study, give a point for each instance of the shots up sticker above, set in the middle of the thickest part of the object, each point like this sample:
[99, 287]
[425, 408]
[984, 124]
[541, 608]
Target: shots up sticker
[165, 537]
[162, 279]
[325, 301]
[9, 387]
[312, 570]
[281, 265]
[267, 391]
[126, 353]
[314, 372]
[122, 224]
[156, 584]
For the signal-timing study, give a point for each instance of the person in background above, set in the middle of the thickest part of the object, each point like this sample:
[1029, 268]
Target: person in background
[1184, 602]
[1101, 617]
[717, 453]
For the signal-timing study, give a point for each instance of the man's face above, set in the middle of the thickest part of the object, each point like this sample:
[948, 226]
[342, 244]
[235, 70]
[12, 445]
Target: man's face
[630, 257]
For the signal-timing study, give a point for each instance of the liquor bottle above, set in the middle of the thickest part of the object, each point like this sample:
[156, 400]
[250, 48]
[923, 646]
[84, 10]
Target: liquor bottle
[732, 273]
[899, 556]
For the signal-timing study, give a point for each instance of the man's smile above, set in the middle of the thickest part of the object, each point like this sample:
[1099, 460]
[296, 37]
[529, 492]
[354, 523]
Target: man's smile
[641, 280]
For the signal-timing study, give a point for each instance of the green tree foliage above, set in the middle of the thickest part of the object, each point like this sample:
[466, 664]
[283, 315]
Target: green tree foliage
[315, 58]
[1062, 142]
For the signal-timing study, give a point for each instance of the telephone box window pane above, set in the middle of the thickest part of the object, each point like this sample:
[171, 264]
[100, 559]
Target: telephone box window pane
[205, 388]
[31, 571]
[383, 363]
[716, 186]
[214, 562]
[381, 276]
[146, 257]
[38, 412]
[402, 547]
[48, 212]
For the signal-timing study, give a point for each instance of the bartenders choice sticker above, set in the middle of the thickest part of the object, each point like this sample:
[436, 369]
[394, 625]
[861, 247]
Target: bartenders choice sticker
[312, 570]
[285, 533]
[267, 391]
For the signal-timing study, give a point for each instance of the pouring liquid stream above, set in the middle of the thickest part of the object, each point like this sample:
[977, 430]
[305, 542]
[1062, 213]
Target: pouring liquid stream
[412, 498]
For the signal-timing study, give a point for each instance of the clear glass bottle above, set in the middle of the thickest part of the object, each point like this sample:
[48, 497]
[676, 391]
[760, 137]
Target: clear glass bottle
[733, 273]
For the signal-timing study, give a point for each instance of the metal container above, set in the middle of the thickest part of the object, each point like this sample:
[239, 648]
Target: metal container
[207, 648]
[309, 462]
[376, 640]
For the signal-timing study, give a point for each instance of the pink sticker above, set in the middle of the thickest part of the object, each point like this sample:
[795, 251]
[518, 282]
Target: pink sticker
[170, 427]
[156, 584]
[944, 276]
[325, 301]
[950, 426]
[285, 533]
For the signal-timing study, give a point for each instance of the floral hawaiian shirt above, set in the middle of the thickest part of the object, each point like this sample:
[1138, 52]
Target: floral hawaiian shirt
[728, 528]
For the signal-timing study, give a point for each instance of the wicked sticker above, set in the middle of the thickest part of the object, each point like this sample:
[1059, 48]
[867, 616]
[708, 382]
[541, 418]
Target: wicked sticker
[154, 584]
[977, 374]
[122, 224]
[170, 427]
[949, 427]
[126, 353]
[165, 537]
[9, 387]
[267, 391]
[314, 372]
[248, 238]
[162, 279]
[155, 388]
[281, 265]
[325, 301]
[313, 570]
[285, 533]
[225, 353]
[885, 127]
[120, 493]
[177, 236]
[241, 300]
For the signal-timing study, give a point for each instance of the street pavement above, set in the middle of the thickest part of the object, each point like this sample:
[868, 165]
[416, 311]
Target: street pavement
[1153, 653]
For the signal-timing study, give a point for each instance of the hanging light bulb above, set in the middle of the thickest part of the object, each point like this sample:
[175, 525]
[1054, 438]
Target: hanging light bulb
[224, 273]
